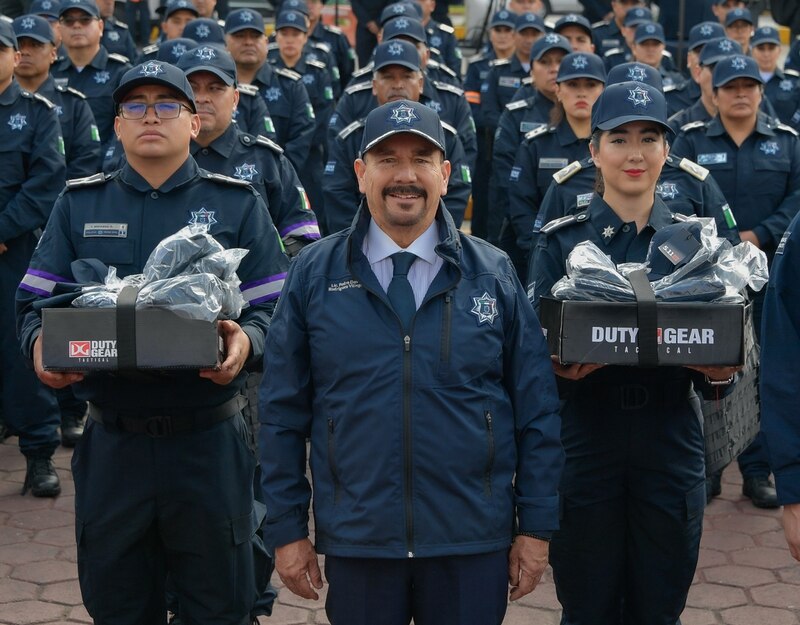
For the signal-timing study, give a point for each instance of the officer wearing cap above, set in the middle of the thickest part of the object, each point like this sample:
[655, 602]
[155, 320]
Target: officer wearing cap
[48, 9]
[549, 148]
[649, 47]
[501, 46]
[282, 89]
[224, 148]
[687, 93]
[87, 66]
[780, 87]
[333, 40]
[177, 13]
[521, 116]
[632, 17]
[760, 176]
[31, 175]
[577, 30]
[739, 26]
[116, 35]
[721, 8]
[204, 30]
[637, 507]
[367, 13]
[397, 76]
[403, 285]
[143, 502]
[37, 53]
[441, 37]
[608, 33]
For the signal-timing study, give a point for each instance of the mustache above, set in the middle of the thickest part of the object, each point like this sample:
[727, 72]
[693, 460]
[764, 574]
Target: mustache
[407, 189]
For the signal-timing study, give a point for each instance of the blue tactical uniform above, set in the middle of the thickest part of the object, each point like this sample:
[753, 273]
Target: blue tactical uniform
[32, 173]
[783, 92]
[319, 51]
[251, 115]
[442, 39]
[339, 48]
[502, 83]
[780, 341]
[633, 488]
[792, 61]
[260, 162]
[366, 11]
[606, 35]
[117, 38]
[290, 110]
[696, 113]
[96, 81]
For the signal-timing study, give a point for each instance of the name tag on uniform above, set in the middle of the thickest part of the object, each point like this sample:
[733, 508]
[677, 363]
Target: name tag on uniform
[553, 163]
[509, 81]
[717, 158]
[584, 199]
[526, 127]
[105, 230]
[610, 43]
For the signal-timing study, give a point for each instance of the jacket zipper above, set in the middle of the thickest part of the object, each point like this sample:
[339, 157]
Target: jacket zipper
[332, 464]
[407, 490]
[448, 320]
[487, 415]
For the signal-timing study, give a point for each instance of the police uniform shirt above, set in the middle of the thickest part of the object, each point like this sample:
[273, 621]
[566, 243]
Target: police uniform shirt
[320, 51]
[262, 164]
[544, 152]
[784, 94]
[82, 149]
[342, 53]
[442, 38]
[760, 178]
[679, 92]
[32, 169]
[505, 78]
[290, 109]
[117, 38]
[607, 35]
[475, 83]
[340, 185]
[134, 219]
[697, 112]
[97, 82]
[251, 114]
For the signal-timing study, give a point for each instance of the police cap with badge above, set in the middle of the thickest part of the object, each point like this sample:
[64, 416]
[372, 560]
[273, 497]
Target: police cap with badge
[7, 36]
[291, 19]
[636, 16]
[34, 27]
[551, 41]
[173, 49]
[404, 27]
[211, 58]
[397, 52]
[649, 32]
[244, 19]
[733, 67]
[398, 117]
[736, 15]
[625, 102]
[635, 72]
[530, 20]
[701, 33]
[765, 34]
[401, 9]
[572, 19]
[155, 73]
[174, 6]
[504, 18]
[295, 5]
[46, 8]
[581, 65]
[204, 30]
[87, 6]
[717, 49]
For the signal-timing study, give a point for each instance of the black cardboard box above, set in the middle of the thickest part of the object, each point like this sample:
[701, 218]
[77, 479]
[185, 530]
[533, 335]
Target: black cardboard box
[85, 339]
[688, 333]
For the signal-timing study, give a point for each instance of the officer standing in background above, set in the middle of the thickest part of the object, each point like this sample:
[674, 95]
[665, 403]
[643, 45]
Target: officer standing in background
[608, 33]
[441, 37]
[367, 13]
[179, 504]
[177, 13]
[780, 88]
[87, 66]
[739, 25]
[48, 9]
[116, 35]
[31, 175]
[335, 41]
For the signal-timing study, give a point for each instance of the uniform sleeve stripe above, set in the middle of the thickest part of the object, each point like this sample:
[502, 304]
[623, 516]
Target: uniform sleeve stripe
[307, 229]
[40, 282]
[263, 290]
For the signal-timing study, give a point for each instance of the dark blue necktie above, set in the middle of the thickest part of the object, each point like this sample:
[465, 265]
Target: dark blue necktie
[400, 292]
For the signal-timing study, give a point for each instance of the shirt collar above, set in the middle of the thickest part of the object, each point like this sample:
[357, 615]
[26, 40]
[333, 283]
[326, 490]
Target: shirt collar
[222, 145]
[11, 93]
[184, 173]
[565, 134]
[608, 224]
[379, 246]
[264, 74]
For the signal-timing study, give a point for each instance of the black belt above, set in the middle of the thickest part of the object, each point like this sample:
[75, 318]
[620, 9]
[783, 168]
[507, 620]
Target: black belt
[636, 396]
[160, 425]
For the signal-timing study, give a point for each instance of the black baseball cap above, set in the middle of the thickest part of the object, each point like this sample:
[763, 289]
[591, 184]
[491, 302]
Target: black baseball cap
[635, 72]
[244, 19]
[34, 27]
[626, 102]
[581, 65]
[173, 49]
[401, 116]
[204, 30]
[397, 52]
[212, 58]
[702, 33]
[404, 27]
[733, 67]
[87, 6]
[717, 49]
[155, 73]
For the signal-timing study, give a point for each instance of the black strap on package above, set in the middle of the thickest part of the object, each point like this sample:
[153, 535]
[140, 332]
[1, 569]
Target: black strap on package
[646, 318]
[126, 329]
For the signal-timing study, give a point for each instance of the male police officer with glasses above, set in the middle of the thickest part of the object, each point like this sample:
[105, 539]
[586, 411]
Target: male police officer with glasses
[182, 503]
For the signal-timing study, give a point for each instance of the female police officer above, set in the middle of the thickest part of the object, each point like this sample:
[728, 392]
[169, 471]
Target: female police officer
[633, 487]
[549, 148]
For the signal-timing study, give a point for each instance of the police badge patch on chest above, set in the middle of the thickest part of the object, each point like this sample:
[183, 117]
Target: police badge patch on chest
[203, 217]
[484, 308]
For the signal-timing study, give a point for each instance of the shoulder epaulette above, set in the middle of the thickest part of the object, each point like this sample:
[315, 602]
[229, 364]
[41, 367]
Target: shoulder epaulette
[35, 96]
[517, 104]
[367, 69]
[446, 70]
[786, 128]
[600, 23]
[321, 45]
[476, 57]
[119, 58]
[670, 88]
[333, 29]
[538, 132]
[121, 24]
[75, 92]
[434, 52]
[613, 51]
[528, 80]
[565, 173]
[666, 53]
[446, 28]
[288, 73]
[88, 181]
[692, 126]
[266, 141]
[316, 63]
[443, 86]
[350, 129]
[248, 89]
[498, 62]
[361, 86]
[208, 175]
[562, 222]
[792, 72]
[680, 217]
[448, 128]
[272, 45]
[699, 172]
[153, 47]
[6, 18]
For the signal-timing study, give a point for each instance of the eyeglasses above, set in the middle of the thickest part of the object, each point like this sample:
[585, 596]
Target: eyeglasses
[83, 20]
[164, 110]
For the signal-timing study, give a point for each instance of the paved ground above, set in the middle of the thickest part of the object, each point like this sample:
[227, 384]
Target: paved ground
[746, 576]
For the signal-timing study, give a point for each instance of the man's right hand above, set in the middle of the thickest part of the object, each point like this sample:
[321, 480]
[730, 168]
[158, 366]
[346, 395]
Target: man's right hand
[791, 527]
[51, 378]
[298, 568]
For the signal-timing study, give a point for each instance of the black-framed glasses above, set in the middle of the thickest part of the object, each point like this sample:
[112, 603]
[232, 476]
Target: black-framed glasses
[83, 20]
[164, 110]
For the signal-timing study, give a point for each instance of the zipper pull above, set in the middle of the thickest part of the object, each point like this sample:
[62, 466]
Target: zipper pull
[407, 343]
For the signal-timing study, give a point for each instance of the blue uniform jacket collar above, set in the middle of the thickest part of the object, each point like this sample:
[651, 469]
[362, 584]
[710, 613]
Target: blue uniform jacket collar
[449, 248]
[99, 61]
[48, 88]
[11, 94]
[763, 127]
[566, 136]
[602, 216]
[222, 145]
[185, 173]
[264, 74]
[516, 66]
[299, 67]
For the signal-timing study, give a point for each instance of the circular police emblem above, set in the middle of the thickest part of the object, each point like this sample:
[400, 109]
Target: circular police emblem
[291, 17]
[150, 69]
[27, 23]
[246, 17]
[639, 96]
[637, 73]
[403, 114]
[395, 49]
[206, 53]
[246, 171]
[638, 12]
[273, 94]
[485, 308]
[203, 31]
[503, 15]
[571, 18]
[580, 62]
[738, 63]
[17, 122]
[47, 5]
[650, 29]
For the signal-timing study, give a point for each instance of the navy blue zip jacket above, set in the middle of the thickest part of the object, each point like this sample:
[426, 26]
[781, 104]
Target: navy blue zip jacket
[429, 444]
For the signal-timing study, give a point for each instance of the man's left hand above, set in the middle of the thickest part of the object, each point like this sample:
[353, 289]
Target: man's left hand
[526, 564]
[791, 527]
[237, 351]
